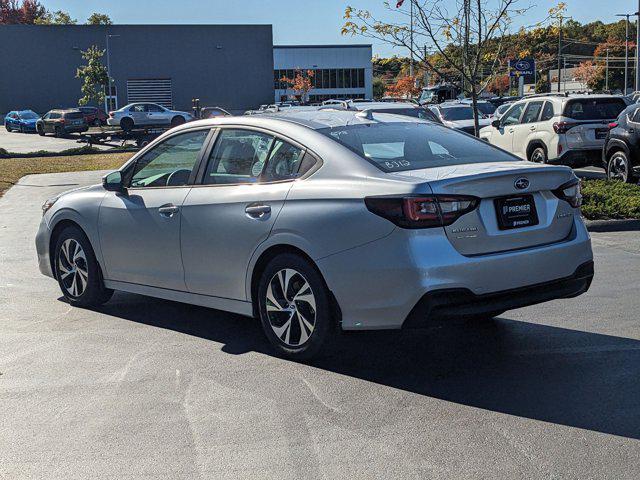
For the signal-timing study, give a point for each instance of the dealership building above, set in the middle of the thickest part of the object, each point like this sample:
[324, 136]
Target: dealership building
[232, 66]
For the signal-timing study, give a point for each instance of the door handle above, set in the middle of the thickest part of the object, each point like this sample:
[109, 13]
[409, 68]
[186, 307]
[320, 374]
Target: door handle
[257, 211]
[168, 210]
[532, 129]
[511, 130]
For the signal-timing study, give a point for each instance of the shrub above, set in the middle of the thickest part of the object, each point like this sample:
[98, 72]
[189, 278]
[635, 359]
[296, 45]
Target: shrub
[606, 199]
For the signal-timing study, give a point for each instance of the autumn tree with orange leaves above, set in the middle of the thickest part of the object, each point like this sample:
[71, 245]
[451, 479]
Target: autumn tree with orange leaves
[590, 74]
[405, 87]
[301, 83]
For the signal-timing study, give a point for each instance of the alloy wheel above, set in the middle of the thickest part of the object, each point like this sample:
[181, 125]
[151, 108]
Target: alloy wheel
[618, 168]
[538, 156]
[72, 268]
[291, 307]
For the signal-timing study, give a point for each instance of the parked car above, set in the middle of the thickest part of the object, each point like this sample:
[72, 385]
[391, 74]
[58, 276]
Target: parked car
[210, 112]
[459, 115]
[501, 110]
[22, 121]
[621, 151]
[321, 221]
[397, 108]
[62, 122]
[94, 116]
[147, 115]
[568, 130]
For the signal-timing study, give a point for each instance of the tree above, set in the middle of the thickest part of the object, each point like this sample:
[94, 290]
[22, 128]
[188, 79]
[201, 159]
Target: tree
[99, 19]
[499, 85]
[12, 12]
[94, 77]
[301, 83]
[542, 86]
[590, 74]
[405, 87]
[468, 39]
[58, 17]
[379, 88]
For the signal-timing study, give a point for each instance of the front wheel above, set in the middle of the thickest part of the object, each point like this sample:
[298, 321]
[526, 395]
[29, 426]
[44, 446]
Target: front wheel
[295, 307]
[177, 120]
[619, 168]
[77, 270]
[8, 128]
[40, 130]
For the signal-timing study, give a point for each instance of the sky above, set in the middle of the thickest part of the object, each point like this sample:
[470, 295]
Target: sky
[301, 21]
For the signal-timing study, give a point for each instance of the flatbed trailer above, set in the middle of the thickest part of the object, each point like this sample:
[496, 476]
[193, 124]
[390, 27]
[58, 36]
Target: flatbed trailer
[102, 135]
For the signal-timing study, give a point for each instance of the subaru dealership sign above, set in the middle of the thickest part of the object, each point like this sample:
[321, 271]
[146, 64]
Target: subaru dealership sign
[522, 66]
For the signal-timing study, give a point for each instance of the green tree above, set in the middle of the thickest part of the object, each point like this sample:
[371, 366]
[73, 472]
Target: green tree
[378, 88]
[543, 85]
[99, 19]
[94, 77]
[58, 17]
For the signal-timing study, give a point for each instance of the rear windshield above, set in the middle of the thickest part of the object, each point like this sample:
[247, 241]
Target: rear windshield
[457, 113]
[409, 112]
[402, 146]
[72, 115]
[594, 109]
[487, 108]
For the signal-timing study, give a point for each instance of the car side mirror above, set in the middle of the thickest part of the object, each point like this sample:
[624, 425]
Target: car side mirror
[112, 182]
[495, 124]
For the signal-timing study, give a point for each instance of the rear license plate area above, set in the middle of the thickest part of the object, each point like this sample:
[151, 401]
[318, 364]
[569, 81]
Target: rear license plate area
[516, 212]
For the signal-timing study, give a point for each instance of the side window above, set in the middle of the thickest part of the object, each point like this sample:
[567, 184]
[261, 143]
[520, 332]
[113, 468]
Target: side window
[635, 117]
[154, 108]
[238, 157]
[170, 163]
[512, 117]
[284, 162]
[54, 116]
[137, 109]
[532, 113]
[547, 112]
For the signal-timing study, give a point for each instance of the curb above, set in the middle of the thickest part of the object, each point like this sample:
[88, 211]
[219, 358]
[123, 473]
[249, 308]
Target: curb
[615, 225]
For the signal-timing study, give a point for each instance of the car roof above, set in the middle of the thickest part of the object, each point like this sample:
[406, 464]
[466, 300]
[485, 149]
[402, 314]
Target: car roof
[385, 105]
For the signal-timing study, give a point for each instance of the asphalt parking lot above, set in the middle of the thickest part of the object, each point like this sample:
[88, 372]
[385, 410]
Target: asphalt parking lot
[145, 388]
[32, 142]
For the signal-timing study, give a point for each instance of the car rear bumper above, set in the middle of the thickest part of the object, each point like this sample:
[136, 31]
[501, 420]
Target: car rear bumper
[76, 129]
[377, 285]
[446, 304]
[579, 158]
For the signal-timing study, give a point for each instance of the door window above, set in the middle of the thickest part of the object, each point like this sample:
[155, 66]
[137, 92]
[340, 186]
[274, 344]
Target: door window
[238, 157]
[154, 108]
[137, 109]
[284, 162]
[512, 117]
[547, 112]
[532, 112]
[170, 163]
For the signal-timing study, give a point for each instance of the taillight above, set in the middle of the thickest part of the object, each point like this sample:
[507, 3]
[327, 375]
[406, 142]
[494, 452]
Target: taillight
[111, 114]
[62, 121]
[612, 125]
[563, 127]
[570, 192]
[422, 211]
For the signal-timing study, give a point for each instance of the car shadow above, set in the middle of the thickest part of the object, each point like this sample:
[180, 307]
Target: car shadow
[567, 377]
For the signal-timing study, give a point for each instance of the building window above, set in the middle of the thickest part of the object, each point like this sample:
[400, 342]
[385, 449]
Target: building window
[326, 78]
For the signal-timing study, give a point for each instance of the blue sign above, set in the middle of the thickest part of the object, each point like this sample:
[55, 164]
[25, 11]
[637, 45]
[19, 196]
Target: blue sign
[523, 66]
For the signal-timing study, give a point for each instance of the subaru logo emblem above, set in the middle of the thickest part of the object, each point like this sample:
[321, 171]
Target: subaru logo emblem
[522, 184]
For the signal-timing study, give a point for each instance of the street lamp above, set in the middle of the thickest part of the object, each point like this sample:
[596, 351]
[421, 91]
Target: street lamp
[626, 48]
[106, 107]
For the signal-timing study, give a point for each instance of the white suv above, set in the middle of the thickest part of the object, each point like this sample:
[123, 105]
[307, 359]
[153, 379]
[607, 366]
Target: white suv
[568, 130]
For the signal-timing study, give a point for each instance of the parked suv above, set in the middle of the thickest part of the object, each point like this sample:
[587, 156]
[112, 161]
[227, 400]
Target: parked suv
[62, 122]
[147, 115]
[568, 130]
[459, 115]
[94, 116]
[620, 155]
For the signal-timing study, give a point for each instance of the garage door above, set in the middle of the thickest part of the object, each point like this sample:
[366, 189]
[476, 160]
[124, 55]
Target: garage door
[156, 90]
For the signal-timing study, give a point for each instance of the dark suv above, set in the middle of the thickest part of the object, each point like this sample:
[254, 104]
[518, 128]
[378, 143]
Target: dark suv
[62, 122]
[621, 151]
[94, 116]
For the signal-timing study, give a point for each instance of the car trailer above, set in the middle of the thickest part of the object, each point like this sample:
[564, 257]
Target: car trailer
[102, 135]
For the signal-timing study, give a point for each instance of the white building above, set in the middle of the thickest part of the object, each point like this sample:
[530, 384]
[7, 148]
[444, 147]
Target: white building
[340, 71]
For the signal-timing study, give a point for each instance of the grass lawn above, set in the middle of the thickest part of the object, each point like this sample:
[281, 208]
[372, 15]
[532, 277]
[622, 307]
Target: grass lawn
[12, 169]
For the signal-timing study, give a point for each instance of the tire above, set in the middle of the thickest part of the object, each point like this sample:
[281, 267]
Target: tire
[21, 129]
[538, 155]
[297, 329]
[58, 132]
[177, 120]
[77, 270]
[127, 124]
[619, 168]
[96, 122]
[40, 130]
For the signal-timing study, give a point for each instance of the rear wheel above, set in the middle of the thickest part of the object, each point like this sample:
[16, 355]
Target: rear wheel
[177, 120]
[295, 307]
[77, 270]
[126, 124]
[538, 155]
[619, 168]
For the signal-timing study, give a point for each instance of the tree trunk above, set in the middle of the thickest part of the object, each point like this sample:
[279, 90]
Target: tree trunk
[474, 105]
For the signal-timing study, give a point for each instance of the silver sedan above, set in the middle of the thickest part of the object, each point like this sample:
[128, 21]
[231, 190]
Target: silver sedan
[315, 221]
[137, 115]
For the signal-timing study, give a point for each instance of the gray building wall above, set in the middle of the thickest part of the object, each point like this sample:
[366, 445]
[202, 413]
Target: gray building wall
[225, 65]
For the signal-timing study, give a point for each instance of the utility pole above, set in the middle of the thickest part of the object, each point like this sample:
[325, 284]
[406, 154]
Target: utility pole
[638, 48]
[606, 78]
[560, 51]
[411, 41]
[109, 83]
[626, 51]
